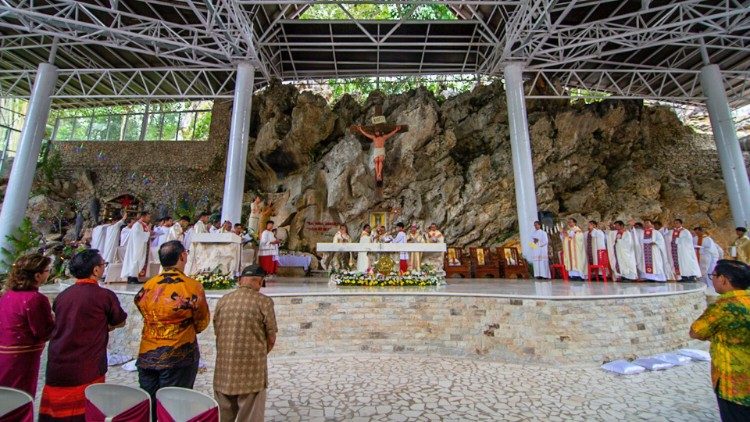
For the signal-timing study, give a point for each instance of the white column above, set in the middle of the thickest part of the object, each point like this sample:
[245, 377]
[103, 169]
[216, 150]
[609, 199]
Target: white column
[24, 164]
[520, 148]
[730, 155]
[234, 179]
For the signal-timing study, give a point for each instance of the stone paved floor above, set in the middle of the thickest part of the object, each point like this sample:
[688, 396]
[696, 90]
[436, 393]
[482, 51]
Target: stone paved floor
[414, 388]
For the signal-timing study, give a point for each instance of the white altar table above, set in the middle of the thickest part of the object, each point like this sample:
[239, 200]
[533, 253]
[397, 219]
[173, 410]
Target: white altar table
[432, 252]
[209, 250]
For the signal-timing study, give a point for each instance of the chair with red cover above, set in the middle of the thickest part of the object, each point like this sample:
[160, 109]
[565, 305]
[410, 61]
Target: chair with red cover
[603, 264]
[456, 263]
[176, 404]
[117, 403]
[16, 405]
[559, 266]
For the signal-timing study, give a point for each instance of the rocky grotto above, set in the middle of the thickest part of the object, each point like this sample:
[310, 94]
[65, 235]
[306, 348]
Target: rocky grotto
[607, 160]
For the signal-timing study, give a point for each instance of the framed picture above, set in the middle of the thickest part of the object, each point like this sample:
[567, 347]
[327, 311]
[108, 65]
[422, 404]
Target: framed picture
[378, 219]
[511, 256]
[480, 256]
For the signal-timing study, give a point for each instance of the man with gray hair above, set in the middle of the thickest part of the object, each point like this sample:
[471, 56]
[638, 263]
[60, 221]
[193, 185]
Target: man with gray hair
[245, 327]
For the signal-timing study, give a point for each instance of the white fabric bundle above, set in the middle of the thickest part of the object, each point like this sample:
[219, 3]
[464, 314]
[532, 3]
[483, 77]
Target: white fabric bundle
[695, 354]
[115, 359]
[130, 366]
[652, 364]
[673, 358]
[623, 367]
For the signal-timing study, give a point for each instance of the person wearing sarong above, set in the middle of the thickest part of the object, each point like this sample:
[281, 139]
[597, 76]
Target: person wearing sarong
[267, 248]
[77, 357]
[26, 323]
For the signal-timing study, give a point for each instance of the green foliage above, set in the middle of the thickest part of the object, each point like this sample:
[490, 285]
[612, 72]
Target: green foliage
[188, 120]
[50, 163]
[371, 11]
[587, 96]
[24, 240]
[360, 88]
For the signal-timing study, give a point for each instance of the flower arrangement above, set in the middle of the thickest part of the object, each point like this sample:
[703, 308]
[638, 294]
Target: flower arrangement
[216, 280]
[372, 278]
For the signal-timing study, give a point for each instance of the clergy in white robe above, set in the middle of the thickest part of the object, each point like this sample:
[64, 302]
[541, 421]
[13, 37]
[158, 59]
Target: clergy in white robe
[574, 250]
[201, 226]
[176, 232]
[98, 237]
[540, 252]
[707, 252]
[363, 262]
[403, 263]
[681, 253]
[111, 242]
[625, 263]
[653, 262]
[137, 249]
[595, 242]
[611, 235]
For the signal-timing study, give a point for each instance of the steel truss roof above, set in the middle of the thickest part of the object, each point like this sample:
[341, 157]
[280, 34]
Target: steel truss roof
[131, 50]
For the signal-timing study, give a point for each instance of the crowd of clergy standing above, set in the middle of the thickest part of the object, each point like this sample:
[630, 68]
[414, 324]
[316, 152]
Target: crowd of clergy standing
[635, 251]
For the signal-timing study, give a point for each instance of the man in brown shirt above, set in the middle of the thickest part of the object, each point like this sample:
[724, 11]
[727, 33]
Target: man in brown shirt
[245, 327]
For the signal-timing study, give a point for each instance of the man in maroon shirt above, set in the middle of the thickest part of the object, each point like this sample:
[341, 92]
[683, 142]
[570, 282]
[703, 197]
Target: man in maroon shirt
[77, 357]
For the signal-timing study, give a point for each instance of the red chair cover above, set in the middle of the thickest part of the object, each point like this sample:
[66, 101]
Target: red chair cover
[210, 415]
[138, 413]
[23, 413]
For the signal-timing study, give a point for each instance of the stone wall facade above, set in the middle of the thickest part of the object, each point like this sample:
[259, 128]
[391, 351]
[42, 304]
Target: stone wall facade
[158, 172]
[505, 329]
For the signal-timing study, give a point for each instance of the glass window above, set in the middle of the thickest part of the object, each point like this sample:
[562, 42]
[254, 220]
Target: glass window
[169, 131]
[133, 124]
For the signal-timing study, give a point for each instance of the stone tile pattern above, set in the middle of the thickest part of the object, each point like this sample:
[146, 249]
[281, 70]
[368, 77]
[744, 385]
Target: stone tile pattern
[510, 330]
[378, 387]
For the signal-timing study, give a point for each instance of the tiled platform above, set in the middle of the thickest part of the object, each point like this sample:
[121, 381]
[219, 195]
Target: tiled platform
[529, 289]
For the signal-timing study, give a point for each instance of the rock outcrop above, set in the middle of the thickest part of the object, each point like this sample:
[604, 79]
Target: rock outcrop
[605, 161]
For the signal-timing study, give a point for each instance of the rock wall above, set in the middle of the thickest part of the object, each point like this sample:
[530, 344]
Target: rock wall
[604, 161]
[609, 160]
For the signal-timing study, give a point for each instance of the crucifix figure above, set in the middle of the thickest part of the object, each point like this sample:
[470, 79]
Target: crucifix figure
[378, 133]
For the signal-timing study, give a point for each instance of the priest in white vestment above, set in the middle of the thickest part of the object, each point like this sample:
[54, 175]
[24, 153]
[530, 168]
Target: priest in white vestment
[98, 236]
[652, 254]
[363, 262]
[707, 252]
[540, 252]
[111, 242]
[125, 233]
[137, 250]
[625, 263]
[595, 243]
[574, 251]
[681, 253]
[201, 226]
[176, 231]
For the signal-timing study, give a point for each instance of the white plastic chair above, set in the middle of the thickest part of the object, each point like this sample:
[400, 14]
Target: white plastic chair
[114, 399]
[183, 403]
[11, 399]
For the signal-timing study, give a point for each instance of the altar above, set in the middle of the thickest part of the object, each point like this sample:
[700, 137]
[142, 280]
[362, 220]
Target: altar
[432, 252]
[211, 251]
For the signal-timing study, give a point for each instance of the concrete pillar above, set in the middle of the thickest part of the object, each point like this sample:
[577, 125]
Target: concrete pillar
[24, 164]
[725, 135]
[520, 147]
[234, 179]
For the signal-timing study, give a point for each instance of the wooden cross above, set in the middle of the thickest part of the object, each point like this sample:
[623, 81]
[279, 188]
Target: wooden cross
[379, 124]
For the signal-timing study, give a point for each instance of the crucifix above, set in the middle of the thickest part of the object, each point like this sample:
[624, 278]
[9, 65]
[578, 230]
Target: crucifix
[378, 133]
